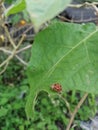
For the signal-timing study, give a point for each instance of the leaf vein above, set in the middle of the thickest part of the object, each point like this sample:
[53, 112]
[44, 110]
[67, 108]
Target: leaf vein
[77, 45]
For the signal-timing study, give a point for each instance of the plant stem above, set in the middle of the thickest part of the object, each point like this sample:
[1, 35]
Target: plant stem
[76, 110]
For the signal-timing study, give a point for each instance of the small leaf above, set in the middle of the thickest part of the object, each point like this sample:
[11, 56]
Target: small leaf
[18, 6]
[43, 10]
[67, 54]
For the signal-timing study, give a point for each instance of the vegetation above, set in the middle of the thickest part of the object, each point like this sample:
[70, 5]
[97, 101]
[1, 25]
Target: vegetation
[48, 72]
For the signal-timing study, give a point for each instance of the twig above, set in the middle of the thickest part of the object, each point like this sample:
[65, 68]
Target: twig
[10, 52]
[67, 104]
[5, 51]
[96, 9]
[13, 52]
[21, 40]
[23, 49]
[28, 29]
[21, 60]
[84, 4]
[76, 110]
[77, 21]
[9, 37]
[4, 68]
[7, 60]
[18, 51]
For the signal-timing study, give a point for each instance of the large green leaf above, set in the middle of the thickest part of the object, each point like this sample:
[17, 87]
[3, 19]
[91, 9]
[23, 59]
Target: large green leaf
[43, 10]
[63, 53]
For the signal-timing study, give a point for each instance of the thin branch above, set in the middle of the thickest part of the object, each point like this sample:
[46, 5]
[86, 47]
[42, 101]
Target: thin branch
[67, 104]
[5, 51]
[9, 37]
[21, 60]
[84, 4]
[96, 9]
[4, 68]
[18, 51]
[9, 52]
[20, 42]
[13, 52]
[23, 49]
[5, 61]
[77, 21]
[32, 26]
[76, 110]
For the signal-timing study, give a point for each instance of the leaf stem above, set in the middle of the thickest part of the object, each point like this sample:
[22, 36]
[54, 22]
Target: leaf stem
[76, 110]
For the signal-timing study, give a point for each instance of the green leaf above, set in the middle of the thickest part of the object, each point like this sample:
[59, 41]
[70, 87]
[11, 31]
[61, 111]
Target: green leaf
[63, 53]
[3, 112]
[41, 11]
[18, 6]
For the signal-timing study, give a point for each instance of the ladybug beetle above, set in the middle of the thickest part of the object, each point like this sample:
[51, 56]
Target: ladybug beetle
[56, 87]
